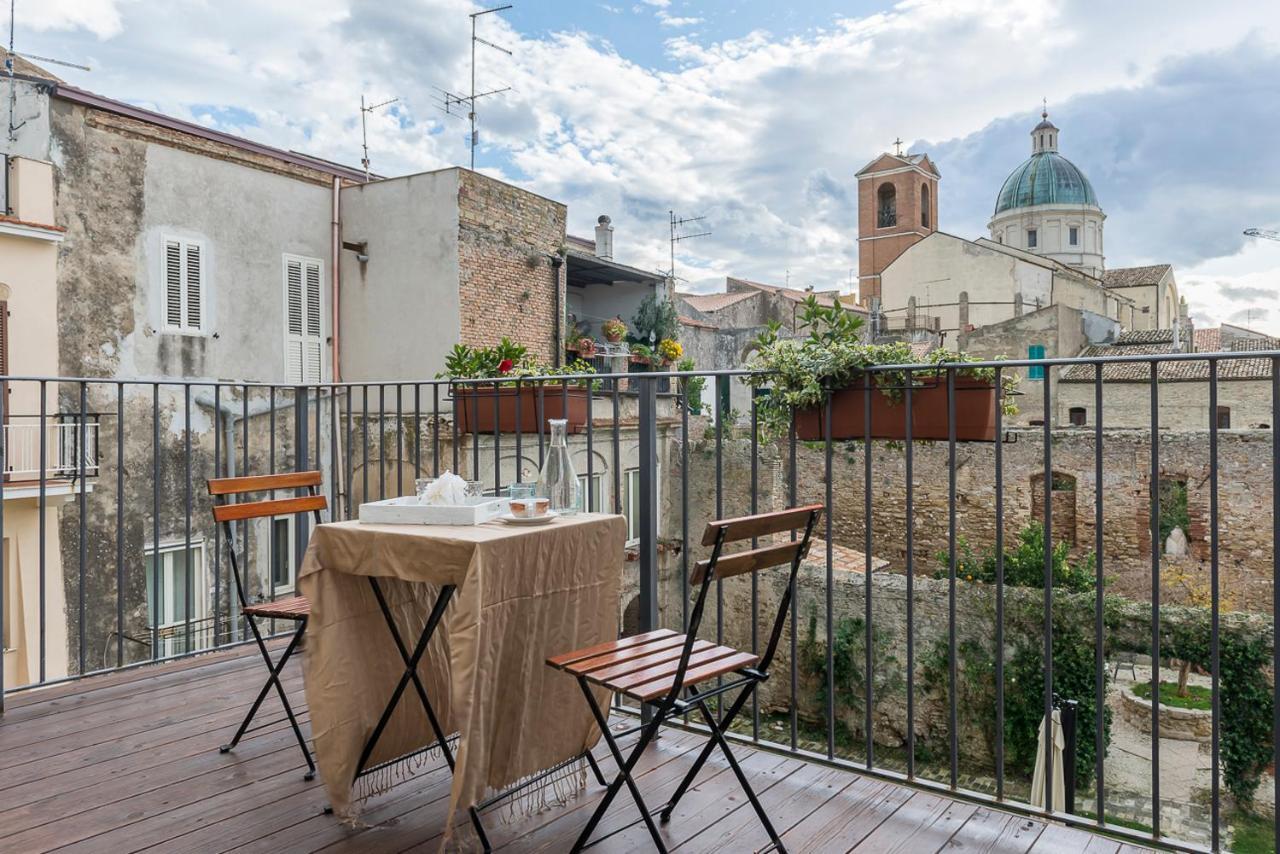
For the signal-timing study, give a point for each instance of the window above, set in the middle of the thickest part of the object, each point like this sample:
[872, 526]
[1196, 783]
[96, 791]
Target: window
[924, 205]
[1077, 416]
[886, 206]
[179, 598]
[1035, 372]
[281, 555]
[1031, 238]
[593, 499]
[303, 344]
[1224, 417]
[183, 285]
[631, 503]
[1073, 235]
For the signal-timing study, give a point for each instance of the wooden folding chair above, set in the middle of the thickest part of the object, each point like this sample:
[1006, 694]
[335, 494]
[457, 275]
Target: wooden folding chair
[656, 667]
[292, 608]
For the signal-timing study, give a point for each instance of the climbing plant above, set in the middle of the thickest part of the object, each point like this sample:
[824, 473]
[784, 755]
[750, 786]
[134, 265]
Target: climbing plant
[848, 659]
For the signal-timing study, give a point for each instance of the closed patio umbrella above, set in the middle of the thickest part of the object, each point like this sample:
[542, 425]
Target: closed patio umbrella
[1037, 777]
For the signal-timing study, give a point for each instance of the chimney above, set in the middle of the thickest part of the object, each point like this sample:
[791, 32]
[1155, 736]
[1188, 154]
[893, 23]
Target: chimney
[604, 238]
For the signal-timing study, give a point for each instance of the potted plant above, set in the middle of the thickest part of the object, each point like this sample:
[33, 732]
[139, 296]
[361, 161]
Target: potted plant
[508, 403]
[831, 362]
[614, 329]
[669, 351]
[585, 347]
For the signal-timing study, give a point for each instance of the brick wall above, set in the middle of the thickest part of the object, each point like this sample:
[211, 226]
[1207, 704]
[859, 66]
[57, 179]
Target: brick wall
[508, 285]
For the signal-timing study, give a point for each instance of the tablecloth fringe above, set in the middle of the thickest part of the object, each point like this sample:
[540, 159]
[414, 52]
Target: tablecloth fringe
[553, 791]
[386, 777]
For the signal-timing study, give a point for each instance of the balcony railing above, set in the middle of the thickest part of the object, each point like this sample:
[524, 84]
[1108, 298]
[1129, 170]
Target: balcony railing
[51, 445]
[960, 593]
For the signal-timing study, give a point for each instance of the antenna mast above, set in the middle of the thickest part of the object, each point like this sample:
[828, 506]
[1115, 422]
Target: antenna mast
[449, 100]
[364, 130]
[676, 235]
[9, 70]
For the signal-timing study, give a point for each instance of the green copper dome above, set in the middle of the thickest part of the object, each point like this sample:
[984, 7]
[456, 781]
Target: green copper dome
[1045, 178]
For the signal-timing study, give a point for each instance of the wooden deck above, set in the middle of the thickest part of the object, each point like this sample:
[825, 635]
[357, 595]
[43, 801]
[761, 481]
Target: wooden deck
[129, 762]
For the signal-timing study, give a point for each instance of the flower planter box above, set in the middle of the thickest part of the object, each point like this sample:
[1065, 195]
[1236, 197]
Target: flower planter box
[975, 413]
[486, 409]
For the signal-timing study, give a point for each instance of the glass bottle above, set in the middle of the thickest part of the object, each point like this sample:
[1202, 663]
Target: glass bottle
[557, 480]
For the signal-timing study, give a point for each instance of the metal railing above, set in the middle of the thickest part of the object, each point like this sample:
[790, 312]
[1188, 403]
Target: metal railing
[36, 445]
[856, 683]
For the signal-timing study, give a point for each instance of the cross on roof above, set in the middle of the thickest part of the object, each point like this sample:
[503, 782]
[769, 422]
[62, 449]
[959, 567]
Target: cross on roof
[897, 146]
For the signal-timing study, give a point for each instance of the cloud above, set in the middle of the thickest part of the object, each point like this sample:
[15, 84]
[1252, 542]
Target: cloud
[762, 133]
[100, 17]
[674, 21]
[1244, 292]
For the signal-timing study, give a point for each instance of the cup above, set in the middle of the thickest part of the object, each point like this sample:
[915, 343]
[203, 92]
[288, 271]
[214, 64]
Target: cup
[522, 499]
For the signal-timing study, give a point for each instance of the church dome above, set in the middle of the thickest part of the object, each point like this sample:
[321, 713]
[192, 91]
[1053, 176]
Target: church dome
[1045, 178]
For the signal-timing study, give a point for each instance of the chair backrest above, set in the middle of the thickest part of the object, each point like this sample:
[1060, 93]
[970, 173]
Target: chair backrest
[225, 513]
[720, 566]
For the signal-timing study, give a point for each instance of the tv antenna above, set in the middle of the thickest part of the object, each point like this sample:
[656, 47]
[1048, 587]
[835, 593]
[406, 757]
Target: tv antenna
[365, 110]
[677, 235]
[450, 100]
[9, 70]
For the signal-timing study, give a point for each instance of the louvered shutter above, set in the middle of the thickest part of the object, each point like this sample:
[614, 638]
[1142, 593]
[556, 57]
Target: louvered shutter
[304, 342]
[313, 346]
[193, 278]
[173, 283]
[293, 299]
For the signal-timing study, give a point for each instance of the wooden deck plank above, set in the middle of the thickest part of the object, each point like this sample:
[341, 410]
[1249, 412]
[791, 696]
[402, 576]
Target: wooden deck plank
[846, 819]
[128, 762]
[924, 823]
[702, 807]
[989, 830]
[1060, 839]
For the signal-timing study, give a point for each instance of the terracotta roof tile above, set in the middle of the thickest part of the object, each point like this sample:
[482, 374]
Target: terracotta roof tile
[715, 302]
[1129, 277]
[1208, 340]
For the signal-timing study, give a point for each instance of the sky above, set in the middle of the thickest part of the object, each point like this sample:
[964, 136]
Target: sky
[752, 113]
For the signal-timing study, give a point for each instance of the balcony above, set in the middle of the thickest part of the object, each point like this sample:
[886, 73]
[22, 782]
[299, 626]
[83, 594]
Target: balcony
[1010, 581]
[126, 762]
[48, 450]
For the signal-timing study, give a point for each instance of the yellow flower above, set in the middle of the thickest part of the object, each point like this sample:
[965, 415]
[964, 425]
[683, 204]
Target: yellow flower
[670, 350]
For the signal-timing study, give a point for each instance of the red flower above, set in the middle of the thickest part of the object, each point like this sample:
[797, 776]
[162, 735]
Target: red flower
[505, 366]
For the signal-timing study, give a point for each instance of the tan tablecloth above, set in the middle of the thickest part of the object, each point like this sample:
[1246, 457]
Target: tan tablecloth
[523, 594]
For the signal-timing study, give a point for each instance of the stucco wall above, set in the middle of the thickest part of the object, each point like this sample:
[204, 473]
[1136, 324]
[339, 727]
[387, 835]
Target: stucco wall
[119, 196]
[400, 310]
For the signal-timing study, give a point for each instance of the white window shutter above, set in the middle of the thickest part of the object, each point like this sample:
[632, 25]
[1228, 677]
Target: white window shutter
[194, 281]
[173, 283]
[293, 338]
[313, 344]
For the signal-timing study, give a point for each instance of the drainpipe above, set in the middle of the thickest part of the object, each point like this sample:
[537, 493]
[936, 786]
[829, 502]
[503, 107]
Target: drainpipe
[335, 300]
[335, 249]
[558, 347]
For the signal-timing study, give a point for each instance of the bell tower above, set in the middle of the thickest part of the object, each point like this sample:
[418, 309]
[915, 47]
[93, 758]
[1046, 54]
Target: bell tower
[897, 207]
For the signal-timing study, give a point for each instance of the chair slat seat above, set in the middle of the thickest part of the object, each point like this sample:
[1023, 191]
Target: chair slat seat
[291, 608]
[648, 669]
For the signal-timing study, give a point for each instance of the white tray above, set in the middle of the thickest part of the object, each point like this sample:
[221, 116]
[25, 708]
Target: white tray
[407, 511]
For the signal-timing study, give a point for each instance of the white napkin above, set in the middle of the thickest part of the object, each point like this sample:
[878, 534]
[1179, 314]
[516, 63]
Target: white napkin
[448, 488]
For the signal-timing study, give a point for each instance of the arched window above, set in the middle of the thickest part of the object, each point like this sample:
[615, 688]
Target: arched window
[924, 205]
[1063, 502]
[886, 206]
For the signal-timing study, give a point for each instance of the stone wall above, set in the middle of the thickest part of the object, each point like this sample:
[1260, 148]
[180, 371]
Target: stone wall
[508, 283]
[1245, 548]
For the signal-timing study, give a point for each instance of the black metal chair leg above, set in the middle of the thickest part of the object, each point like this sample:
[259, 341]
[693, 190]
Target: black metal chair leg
[274, 670]
[595, 768]
[705, 754]
[718, 738]
[624, 774]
